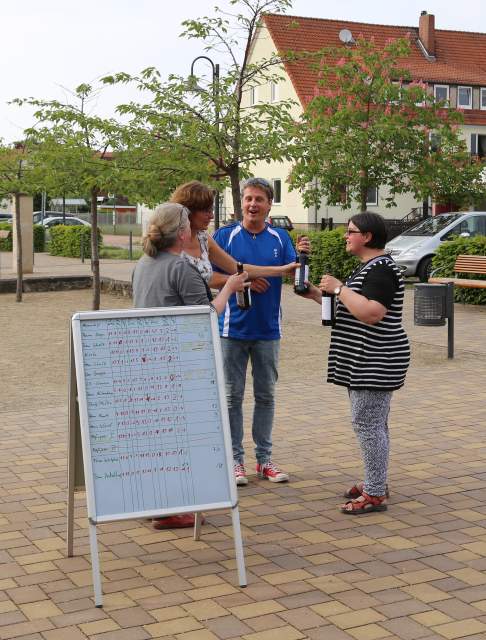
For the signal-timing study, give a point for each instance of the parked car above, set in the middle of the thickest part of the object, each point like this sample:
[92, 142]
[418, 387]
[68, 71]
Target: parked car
[48, 223]
[282, 222]
[6, 217]
[414, 249]
[70, 221]
[37, 215]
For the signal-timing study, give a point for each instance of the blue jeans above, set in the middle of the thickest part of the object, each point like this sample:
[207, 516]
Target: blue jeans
[264, 362]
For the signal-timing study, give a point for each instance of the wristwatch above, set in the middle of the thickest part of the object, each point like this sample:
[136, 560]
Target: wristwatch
[337, 290]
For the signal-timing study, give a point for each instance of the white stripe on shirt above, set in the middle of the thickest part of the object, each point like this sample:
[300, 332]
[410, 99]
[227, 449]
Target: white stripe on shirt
[226, 321]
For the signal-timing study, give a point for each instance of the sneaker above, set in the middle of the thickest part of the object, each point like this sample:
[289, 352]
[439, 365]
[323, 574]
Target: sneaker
[270, 471]
[240, 474]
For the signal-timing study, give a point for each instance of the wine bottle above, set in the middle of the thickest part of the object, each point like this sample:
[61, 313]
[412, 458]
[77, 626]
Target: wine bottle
[243, 298]
[302, 274]
[328, 309]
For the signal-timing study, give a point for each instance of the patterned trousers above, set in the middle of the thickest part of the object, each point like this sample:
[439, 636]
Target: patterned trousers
[369, 415]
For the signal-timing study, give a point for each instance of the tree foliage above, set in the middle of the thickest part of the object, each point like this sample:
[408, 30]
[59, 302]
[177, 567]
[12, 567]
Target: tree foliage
[210, 134]
[370, 125]
[75, 151]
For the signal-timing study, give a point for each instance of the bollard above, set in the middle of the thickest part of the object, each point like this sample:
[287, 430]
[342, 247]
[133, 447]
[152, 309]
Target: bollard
[130, 244]
[450, 319]
[82, 249]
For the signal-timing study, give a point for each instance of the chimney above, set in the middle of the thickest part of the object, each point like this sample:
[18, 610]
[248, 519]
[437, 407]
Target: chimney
[427, 32]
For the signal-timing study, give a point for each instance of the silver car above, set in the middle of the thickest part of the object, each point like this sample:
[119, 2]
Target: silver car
[414, 249]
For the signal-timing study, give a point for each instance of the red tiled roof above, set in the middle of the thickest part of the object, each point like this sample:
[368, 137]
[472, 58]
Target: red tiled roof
[460, 55]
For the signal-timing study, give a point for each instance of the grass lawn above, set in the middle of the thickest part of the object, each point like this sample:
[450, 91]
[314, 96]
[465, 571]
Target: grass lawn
[116, 253]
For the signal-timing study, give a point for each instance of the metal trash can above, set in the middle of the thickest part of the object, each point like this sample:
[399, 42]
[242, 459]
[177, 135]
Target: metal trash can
[430, 305]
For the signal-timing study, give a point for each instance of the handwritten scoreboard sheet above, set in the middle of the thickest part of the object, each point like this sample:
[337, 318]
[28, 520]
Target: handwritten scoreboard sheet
[153, 410]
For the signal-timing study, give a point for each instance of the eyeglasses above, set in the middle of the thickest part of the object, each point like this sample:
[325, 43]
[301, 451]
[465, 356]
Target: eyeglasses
[348, 232]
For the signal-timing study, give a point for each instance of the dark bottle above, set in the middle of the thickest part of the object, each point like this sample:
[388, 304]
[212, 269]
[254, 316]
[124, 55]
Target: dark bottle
[302, 274]
[243, 298]
[328, 309]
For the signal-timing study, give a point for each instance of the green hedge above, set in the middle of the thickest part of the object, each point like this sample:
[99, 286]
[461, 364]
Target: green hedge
[328, 254]
[443, 266]
[66, 241]
[39, 238]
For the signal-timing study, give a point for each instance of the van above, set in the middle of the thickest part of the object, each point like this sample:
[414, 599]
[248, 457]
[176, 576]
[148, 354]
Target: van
[414, 249]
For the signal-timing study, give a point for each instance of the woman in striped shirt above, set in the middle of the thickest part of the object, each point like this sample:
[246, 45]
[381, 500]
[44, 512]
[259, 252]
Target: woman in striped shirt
[369, 352]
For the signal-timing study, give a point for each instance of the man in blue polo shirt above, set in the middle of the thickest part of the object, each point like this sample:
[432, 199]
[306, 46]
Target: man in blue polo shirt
[254, 334]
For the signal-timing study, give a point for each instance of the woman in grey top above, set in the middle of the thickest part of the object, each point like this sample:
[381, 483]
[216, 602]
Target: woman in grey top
[163, 278]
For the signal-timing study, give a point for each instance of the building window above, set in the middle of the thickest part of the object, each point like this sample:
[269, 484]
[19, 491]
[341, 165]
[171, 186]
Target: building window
[273, 92]
[478, 145]
[441, 93]
[253, 95]
[464, 97]
[482, 100]
[372, 196]
[277, 191]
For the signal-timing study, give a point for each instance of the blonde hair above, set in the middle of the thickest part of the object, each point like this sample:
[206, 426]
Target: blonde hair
[164, 225]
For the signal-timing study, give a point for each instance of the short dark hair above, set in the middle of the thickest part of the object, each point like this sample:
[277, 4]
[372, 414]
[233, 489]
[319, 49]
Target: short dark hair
[259, 183]
[368, 222]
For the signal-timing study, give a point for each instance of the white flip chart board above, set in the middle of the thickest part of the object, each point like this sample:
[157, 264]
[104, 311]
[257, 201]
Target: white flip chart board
[153, 415]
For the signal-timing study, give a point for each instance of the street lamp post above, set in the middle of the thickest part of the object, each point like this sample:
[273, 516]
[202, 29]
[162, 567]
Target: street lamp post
[215, 85]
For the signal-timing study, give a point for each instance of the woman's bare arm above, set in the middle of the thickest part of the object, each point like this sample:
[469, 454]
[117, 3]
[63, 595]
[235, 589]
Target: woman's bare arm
[224, 261]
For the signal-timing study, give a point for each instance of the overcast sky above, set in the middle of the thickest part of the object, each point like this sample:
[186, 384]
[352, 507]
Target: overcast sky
[50, 44]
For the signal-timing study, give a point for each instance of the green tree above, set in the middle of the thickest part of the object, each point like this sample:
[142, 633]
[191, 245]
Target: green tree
[76, 153]
[211, 132]
[370, 125]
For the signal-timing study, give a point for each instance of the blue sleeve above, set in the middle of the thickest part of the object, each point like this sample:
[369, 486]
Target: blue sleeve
[289, 250]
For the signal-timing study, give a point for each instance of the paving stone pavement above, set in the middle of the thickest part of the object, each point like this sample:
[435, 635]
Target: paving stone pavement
[417, 571]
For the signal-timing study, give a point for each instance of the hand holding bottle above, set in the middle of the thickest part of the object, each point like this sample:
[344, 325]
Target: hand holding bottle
[243, 295]
[301, 281]
[303, 245]
[236, 282]
[329, 283]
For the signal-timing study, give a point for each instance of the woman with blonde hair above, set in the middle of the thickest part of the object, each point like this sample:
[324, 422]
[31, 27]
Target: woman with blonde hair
[163, 278]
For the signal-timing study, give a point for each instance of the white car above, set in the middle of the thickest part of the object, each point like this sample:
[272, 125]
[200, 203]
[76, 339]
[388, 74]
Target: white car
[37, 215]
[68, 221]
[414, 249]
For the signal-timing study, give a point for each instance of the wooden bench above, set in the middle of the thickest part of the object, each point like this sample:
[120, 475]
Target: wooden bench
[466, 264]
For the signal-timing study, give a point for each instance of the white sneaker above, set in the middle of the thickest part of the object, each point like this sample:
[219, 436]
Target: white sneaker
[240, 474]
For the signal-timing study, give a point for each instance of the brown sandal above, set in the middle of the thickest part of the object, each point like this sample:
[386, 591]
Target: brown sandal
[364, 504]
[357, 490]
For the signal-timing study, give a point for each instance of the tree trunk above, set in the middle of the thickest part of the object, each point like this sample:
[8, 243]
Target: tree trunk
[95, 260]
[234, 175]
[363, 198]
[18, 231]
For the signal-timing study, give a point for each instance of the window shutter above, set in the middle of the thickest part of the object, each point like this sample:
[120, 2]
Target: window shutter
[474, 144]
